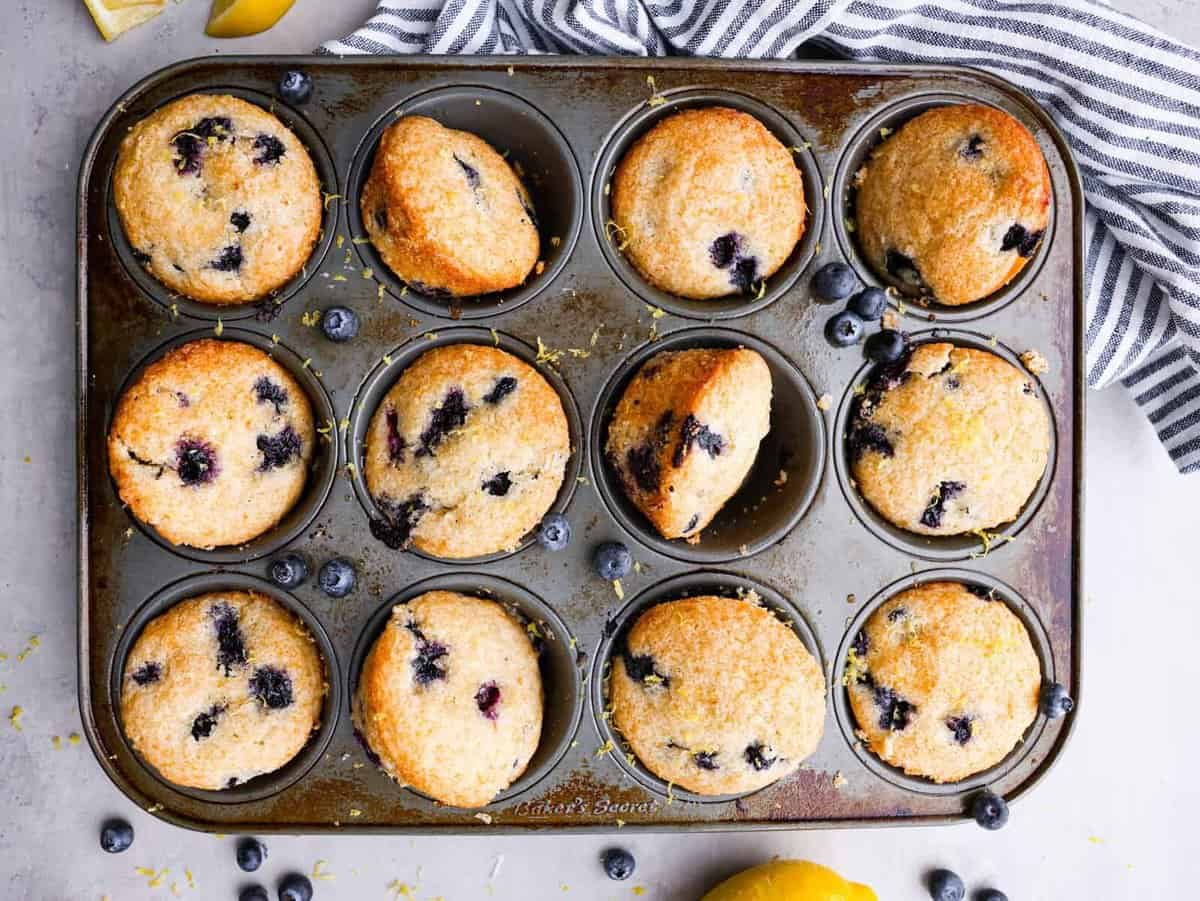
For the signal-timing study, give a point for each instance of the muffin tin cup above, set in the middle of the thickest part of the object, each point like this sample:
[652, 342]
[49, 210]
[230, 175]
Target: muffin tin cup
[639, 121]
[385, 374]
[542, 158]
[844, 714]
[861, 146]
[939, 548]
[199, 309]
[762, 512]
[268, 784]
[322, 469]
[694, 584]
[562, 681]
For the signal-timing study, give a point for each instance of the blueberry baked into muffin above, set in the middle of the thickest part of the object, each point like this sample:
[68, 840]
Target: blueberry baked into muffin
[954, 204]
[211, 444]
[948, 440]
[465, 453]
[446, 212]
[221, 688]
[716, 695]
[707, 203]
[219, 200]
[943, 681]
[685, 433]
[449, 700]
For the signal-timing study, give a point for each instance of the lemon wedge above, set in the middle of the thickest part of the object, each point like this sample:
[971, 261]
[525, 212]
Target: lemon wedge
[239, 18]
[115, 17]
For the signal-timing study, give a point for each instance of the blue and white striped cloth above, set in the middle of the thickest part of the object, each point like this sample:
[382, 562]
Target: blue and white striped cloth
[1126, 96]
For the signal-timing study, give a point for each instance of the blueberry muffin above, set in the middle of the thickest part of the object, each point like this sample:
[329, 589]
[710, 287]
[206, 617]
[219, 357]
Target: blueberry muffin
[716, 694]
[685, 433]
[219, 200]
[450, 698]
[222, 688]
[211, 444]
[953, 205]
[948, 440]
[707, 203]
[943, 681]
[466, 452]
[445, 211]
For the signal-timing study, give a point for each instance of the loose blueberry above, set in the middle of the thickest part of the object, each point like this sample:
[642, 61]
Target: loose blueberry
[844, 329]
[289, 570]
[946, 886]
[295, 86]
[250, 854]
[1055, 701]
[612, 560]
[989, 810]
[116, 836]
[886, 346]
[295, 887]
[339, 324]
[554, 533]
[834, 281]
[990, 894]
[336, 577]
[618, 863]
[253, 893]
[869, 304]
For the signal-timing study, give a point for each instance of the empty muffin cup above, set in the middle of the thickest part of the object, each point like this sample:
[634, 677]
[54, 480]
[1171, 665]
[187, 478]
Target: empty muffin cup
[859, 149]
[267, 784]
[776, 492]
[701, 582]
[637, 123]
[976, 582]
[322, 469]
[179, 304]
[538, 153]
[562, 693]
[942, 548]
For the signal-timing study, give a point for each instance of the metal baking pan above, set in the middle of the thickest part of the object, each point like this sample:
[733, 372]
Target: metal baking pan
[808, 545]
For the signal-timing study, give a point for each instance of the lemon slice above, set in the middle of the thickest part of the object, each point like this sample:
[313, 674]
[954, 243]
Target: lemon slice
[114, 17]
[239, 18]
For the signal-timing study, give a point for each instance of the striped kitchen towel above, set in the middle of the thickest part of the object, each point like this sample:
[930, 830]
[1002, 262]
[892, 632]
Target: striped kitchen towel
[1126, 96]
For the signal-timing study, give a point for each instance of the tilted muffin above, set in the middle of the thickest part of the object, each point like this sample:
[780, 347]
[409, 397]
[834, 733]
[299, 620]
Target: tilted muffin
[954, 204]
[717, 695]
[707, 203]
[445, 211]
[222, 688]
[211, 444]
[948, 440]
[450, 698]
[465, 453]
[943, 681]
[219, 200]
[685, 433]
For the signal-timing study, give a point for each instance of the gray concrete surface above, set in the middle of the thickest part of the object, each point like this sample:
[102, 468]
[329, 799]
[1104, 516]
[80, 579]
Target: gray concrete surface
[1116, 819]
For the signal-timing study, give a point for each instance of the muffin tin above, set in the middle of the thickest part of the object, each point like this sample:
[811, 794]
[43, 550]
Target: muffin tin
[797, 532]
